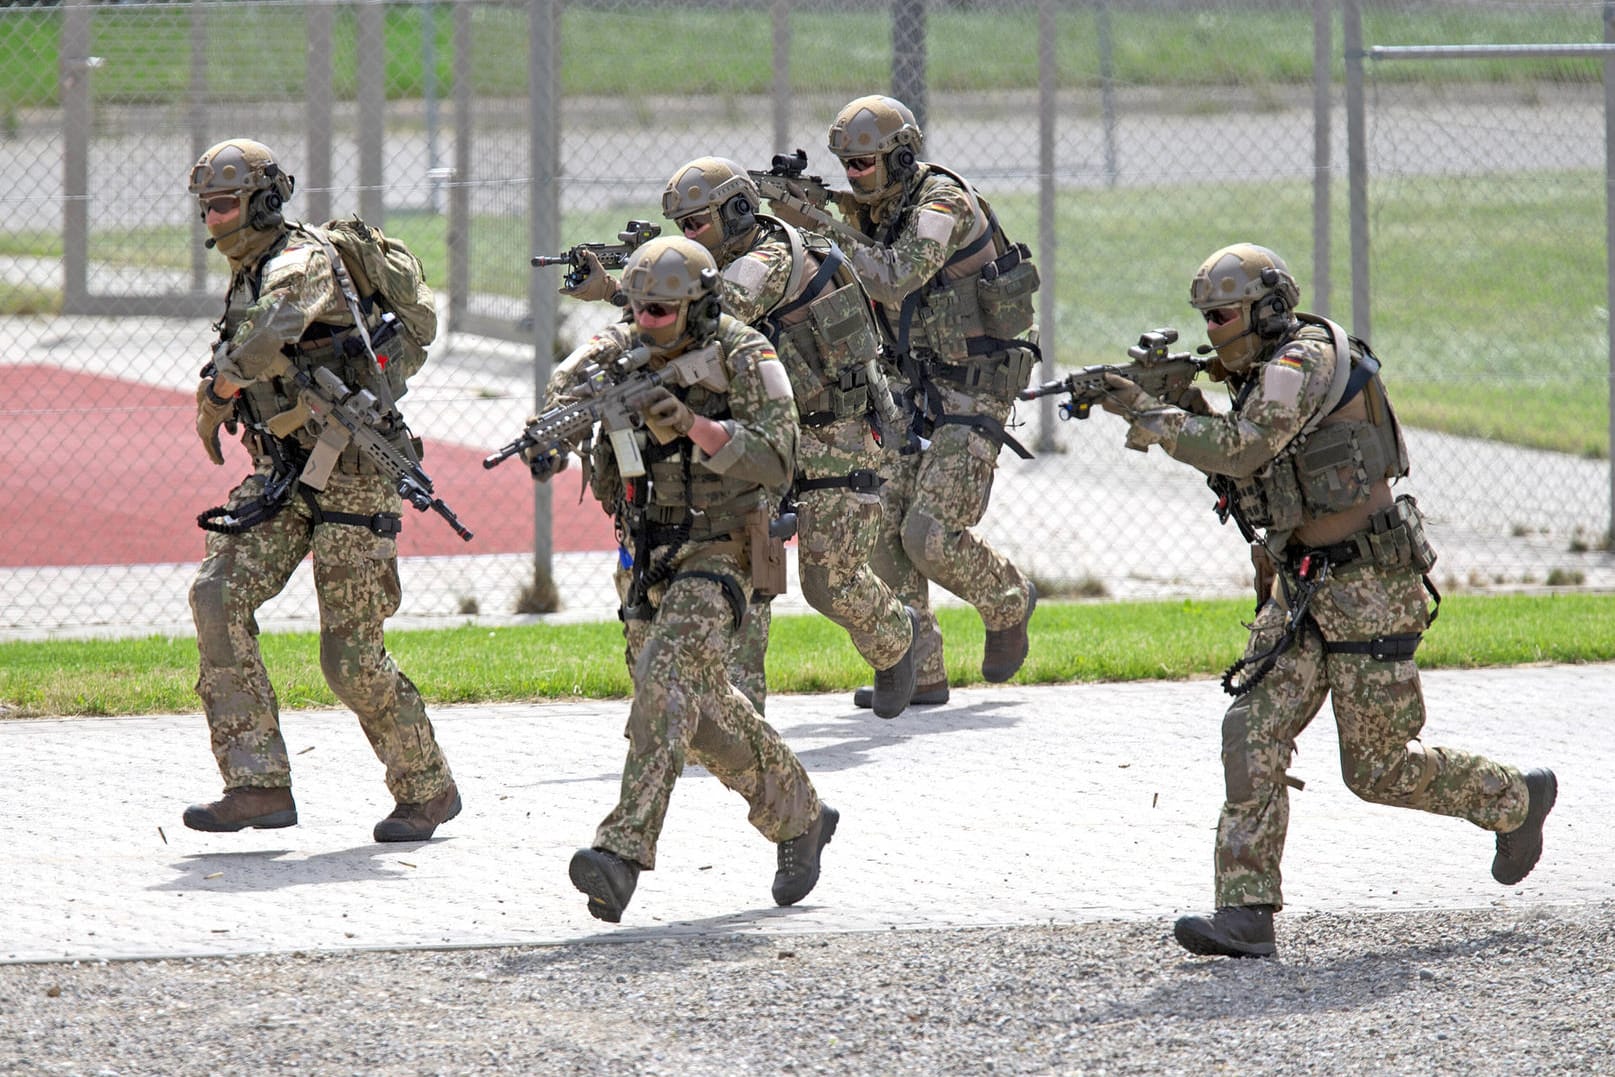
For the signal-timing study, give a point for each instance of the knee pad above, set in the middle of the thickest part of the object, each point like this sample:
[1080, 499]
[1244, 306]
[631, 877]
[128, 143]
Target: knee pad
[922, 537]
[212, 620]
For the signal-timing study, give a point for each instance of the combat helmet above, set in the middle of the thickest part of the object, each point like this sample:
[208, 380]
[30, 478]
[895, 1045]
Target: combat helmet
[247, 171]
[882, 128]
[677, 276]
[717, 192]
[1248, 296]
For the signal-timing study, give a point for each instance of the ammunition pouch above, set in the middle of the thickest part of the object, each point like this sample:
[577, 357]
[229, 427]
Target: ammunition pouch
[843, 398]
[1004, 293]
[1394, 538]
[1000, 373]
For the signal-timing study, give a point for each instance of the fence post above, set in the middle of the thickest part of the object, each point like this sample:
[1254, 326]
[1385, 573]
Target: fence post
[1357, 170]
[317, 114]
[1609, 245]
[465, 133]
[370, 42]
[908, 56]
[1048, 104]
[543, 88]
[1322, 133]
[74, 76]
[196, 119]
[780, 14]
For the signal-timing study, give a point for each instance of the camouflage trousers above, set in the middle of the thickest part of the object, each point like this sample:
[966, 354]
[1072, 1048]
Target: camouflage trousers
[1379, 713]
[837, 532]
[929, 503]
[686, 709]
[747, 661]
[356, 581]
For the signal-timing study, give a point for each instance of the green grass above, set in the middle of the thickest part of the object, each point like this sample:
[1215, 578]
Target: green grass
[1071, 642]
[625, 49]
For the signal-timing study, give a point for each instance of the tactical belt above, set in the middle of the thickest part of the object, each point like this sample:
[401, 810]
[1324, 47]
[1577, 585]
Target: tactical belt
[1338, 555]
[861, 479]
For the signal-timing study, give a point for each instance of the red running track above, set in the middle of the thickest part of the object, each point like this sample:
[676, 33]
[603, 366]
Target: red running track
[102, 471]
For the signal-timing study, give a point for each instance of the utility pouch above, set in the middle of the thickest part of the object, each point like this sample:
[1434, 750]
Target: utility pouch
[767, 554]
[1006, 301]
[1396, 537]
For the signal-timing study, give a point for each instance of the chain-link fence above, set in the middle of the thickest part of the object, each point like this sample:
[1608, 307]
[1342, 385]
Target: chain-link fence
[1123, 140]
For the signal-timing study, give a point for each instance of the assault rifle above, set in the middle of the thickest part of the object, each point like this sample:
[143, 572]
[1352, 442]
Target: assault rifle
[611, 255]
[609, 395]
[785, 183]
[348, 417]
[1156, 369]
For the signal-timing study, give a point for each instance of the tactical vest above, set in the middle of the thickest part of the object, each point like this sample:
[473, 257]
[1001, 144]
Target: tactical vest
[1330, 466]
[977, 304]
[824, 330]
[683, 488]
[273, 404]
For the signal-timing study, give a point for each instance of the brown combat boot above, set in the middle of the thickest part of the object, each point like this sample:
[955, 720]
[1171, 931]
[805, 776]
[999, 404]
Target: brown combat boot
[1232, 931]
[417, 822]
[262, 807]
[1006, 647]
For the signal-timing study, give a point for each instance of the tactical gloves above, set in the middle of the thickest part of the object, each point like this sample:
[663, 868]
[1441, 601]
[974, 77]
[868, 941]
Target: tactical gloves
[661, 408]
[1127, 399]
[213, 412]
[596, 286]
[544, 464]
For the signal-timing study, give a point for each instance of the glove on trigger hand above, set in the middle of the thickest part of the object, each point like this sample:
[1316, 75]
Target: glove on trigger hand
[661, 408]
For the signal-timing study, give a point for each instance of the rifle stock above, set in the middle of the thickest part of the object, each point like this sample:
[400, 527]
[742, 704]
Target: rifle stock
[786, 183]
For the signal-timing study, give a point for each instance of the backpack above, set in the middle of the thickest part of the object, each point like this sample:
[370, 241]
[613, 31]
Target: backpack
[384, 270]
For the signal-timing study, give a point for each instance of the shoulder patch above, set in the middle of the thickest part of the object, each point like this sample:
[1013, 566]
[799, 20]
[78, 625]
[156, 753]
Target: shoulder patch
[935, 226]
[747, 274]
[776, 382]
[1281, 381]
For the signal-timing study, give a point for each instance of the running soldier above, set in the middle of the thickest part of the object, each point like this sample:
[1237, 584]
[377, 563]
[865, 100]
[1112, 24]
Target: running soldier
[1304, 462]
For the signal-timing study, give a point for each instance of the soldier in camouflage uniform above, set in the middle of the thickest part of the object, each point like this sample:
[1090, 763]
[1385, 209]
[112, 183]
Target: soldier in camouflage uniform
[954, 302]
[717, 456]
[1304, 460]
[797, 289]
[286, 308]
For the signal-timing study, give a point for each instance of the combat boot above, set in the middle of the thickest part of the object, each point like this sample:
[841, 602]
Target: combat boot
[1006, 647]
[1519, 849]
[799, 858]
[417, 822]
[1232, 931]
[894, 687]
[925, 695]
[261, 807]
[607, 879]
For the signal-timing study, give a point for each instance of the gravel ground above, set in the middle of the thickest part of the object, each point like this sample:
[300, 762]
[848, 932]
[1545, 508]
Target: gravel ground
[1522, 991]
